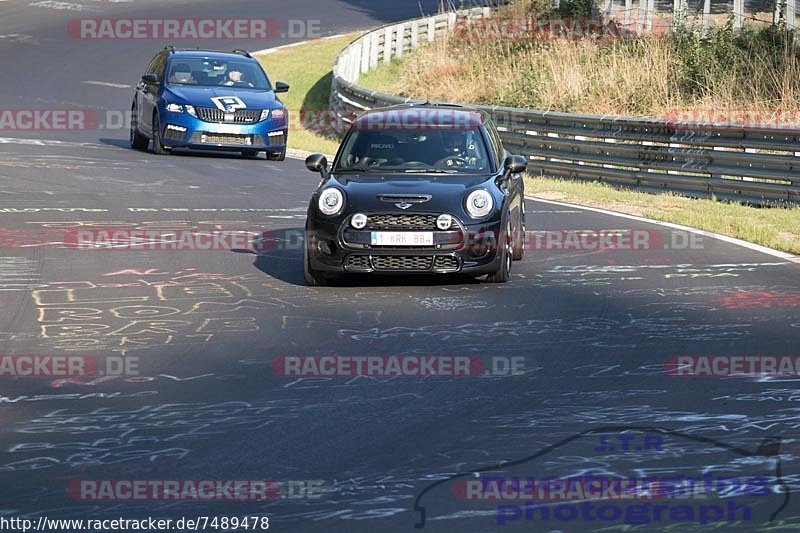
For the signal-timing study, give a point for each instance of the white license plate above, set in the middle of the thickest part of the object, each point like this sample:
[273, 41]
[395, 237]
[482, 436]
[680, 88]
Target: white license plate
[402, 238]
[226, 128]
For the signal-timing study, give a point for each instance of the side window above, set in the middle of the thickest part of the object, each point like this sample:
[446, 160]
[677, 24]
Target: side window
[151, 67]
[160, 62]
[497, 145]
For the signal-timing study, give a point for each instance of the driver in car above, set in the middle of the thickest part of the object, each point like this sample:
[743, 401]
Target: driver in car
[235, 77]
[460, 152]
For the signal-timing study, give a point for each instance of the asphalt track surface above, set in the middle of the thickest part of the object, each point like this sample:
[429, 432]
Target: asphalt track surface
[593, 328]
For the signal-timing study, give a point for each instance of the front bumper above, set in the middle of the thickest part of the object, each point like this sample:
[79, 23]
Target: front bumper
[181, 130]
[469, 249]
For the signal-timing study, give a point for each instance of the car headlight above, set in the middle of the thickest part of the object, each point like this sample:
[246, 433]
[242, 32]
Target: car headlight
[175, 108]
[331, 201]
[479, 203]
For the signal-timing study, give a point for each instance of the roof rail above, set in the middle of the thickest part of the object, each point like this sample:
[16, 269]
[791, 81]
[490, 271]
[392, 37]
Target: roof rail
[242, 52]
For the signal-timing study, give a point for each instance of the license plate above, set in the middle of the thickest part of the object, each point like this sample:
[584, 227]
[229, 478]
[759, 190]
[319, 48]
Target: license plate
[227, 128]
[402, 238]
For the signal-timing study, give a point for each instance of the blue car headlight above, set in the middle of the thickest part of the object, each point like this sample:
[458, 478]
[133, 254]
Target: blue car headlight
[178, 108]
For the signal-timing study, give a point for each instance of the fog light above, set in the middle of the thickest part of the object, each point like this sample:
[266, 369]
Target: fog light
[444, 222]
[176, 128]
[359, 220]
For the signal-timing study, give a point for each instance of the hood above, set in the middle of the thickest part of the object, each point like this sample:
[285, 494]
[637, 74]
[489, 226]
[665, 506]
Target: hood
[201, 96]
[446, 191]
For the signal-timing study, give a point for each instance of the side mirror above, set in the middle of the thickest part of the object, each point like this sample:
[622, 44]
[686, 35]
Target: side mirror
[281, 87]
[515, 164]
[150, 78]
[317, 163]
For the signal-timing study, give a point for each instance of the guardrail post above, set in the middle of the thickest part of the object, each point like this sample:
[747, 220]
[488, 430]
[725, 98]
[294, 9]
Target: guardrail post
[387, 44]
[374, 50]
[414, 35]
[431, 29]
[791, 14]
[365, 53]
[738, 14]
[706, 17]
[401, 40]
[452, 18]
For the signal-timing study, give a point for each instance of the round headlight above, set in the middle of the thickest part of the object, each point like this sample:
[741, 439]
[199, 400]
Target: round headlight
[359, 220]
[444, 222]
[331, 201]
[479, 203]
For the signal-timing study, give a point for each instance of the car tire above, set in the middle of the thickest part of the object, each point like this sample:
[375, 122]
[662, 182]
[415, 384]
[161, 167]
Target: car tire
[276, 156]
[506, 255]
[313, 278]
[249, 153]
[158, 148]
[138, 141]
[519, 237]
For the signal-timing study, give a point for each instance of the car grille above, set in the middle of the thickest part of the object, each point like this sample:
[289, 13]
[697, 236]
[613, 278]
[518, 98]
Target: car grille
[445, 262]
[358, 261]
[402, 262]
[227, 139]
[240, 116]
[401, 221]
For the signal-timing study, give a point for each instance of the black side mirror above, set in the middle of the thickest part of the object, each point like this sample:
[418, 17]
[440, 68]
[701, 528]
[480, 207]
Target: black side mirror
[150, 78]
[317, 163]
[515, 164]
[281, 87]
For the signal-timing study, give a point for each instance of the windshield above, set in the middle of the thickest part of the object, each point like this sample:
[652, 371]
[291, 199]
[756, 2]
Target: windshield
[206, 72]
[431, 151]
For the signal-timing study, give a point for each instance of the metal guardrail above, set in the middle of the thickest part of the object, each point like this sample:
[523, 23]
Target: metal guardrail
[755, 165]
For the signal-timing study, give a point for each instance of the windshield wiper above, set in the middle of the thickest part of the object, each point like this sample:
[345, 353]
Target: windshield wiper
[430, 171]
[354, 168]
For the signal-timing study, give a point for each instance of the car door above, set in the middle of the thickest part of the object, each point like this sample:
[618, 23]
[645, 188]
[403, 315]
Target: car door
[147, 93]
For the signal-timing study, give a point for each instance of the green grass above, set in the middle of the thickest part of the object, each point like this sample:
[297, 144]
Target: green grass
[384, 78]
[307, 68]
[777, 228]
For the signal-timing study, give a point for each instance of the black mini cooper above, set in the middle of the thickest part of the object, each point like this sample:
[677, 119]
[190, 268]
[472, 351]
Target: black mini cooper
[417, 189]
